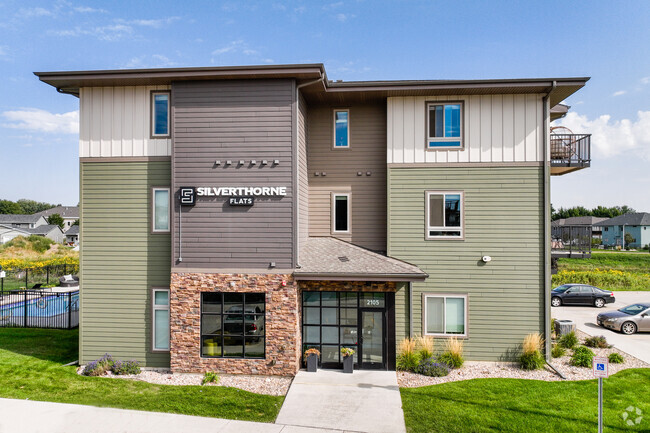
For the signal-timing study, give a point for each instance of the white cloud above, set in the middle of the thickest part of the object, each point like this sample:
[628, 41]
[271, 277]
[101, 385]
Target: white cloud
[238, 46]
[332, 5]
[344, 17]
[645, 80]
[35, 119]
[619, 93]
[153, 61]
[34, 12]
[610, 138]
[154, 23]
[88, 10]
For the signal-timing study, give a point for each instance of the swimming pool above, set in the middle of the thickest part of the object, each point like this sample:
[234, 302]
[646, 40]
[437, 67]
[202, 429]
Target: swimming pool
[47, 305]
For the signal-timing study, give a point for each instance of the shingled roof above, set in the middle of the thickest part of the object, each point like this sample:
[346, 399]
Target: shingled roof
[333, 259]
[18, 219]
[64, 211]
[629, 219]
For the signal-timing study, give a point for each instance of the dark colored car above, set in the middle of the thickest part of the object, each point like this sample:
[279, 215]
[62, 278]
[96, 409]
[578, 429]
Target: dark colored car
[581, 294]
[628, 320]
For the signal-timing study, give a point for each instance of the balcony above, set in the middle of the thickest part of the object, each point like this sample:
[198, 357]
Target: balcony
[569, 152]
[571, 242]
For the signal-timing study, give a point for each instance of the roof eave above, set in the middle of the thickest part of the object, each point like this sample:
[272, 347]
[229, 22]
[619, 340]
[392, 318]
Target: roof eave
[321, 276]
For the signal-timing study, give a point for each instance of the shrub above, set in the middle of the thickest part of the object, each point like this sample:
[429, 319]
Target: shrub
[210, 377]
[453, 354]
[312, 351]
[557, 351]
[347, 351]
[532, 361]
[616, 358]
[407, 360]
[425, 347]
[597, 342]
[429, 367]
[568, 341]
[125, 367]
[582, 357]
[553, 334]
[99, 366]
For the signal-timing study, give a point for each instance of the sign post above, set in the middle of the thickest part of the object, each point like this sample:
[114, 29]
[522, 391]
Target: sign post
[601, 370]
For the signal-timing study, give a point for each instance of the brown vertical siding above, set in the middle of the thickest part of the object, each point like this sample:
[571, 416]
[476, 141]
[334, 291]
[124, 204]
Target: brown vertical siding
[367, 153]
[234, 120]
[303, 174]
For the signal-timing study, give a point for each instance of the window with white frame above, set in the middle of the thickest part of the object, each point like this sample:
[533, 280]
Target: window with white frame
[160, 319]
[160, 210]
[160, 114]
[445, 315]
[340, 213]
[341, 129]
[444, 214]
[444, 125]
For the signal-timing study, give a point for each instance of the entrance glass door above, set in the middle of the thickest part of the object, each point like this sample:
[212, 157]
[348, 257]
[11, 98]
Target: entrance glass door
[372, 339]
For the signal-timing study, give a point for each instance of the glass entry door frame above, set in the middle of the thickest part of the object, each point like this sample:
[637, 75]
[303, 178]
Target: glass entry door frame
[367, 360]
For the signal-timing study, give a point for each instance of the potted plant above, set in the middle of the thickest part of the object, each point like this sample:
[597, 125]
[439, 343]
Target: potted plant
[348, 359]
[311, 356]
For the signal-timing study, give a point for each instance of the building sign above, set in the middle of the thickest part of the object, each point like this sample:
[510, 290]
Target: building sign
[255, 191]
[600, 367]
[241, 201]
[188, 196]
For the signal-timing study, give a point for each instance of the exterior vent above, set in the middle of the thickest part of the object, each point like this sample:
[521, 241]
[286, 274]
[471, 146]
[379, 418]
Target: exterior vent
[344, 259]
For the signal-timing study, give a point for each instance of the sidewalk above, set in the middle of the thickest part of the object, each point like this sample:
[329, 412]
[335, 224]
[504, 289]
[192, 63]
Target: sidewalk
[25, 416]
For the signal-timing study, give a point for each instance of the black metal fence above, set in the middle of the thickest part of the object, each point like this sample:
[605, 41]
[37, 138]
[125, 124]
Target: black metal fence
[570, 150]
[39, 309]
[571, 241]
[28, 278]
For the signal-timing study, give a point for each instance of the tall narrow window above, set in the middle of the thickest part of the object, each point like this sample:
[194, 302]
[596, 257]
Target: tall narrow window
[341, 129]
[444, 214]
[160, 210]
[445, 315]
[161, 319]
[341, 213]
[160, 114]
[444, 125]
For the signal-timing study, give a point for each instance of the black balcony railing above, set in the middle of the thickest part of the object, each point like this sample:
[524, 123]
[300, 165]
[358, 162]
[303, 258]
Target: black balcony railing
[571, 150]
[571, 241]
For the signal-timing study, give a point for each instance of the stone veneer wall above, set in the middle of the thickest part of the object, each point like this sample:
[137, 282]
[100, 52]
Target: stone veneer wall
[282, 323]
[347, 286]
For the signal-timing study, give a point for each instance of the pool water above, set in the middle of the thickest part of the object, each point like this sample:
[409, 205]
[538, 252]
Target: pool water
[45, 306]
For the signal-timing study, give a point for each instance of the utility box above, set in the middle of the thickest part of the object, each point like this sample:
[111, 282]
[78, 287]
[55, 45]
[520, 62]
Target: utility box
[564, 327]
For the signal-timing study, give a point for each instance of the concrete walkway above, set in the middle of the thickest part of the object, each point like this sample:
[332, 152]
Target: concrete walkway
[365, 401]
[27, 416]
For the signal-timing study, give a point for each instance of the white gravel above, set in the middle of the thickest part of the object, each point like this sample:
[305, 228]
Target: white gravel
[482, 370]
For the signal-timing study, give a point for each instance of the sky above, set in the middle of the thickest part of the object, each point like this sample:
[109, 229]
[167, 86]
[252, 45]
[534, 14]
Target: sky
[356, 40]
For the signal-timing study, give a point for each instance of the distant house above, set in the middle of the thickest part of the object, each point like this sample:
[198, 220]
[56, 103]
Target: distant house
[22, 221]
[72, 236]
[582, 221]
[70, 214]
[636, 224]
[52, 231]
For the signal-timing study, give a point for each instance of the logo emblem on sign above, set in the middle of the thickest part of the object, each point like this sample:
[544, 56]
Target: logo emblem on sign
[188, 196]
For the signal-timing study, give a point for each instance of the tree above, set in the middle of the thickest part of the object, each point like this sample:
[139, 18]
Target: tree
[75, 223]
[56, 219]
[9, 207]
[31, 206]
[629, 239]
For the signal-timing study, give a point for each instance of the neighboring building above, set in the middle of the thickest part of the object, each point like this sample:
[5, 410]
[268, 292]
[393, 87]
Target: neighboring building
[232, 217]
[583, 221]
[70, 214]
[8, 232]
[72, 236]
[22, 221]
[636, 224]
[51, 231]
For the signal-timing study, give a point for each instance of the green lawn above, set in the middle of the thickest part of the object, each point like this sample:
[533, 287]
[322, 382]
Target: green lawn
[31, 367]
[514, 405]
[627, 262]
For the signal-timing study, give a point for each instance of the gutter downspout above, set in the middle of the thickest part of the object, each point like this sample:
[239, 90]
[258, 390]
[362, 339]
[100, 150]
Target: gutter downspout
[410, 309]
[547, 223]
[297, 192]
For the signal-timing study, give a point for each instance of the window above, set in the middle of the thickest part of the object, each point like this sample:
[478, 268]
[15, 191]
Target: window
[340, 213]
[341, 129]
[444, 215]
[444, 125]
[445, 315]
[161, 210]
[232, 325]
[160, 114]
[161, 319]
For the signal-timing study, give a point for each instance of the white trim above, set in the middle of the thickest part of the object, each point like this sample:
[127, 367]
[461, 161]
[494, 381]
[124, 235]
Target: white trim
[443, 139]
[444, 312]
[155, 308]
[333, 212]
[338, 110]
[153, 209]
[429, 228]
[153, 113]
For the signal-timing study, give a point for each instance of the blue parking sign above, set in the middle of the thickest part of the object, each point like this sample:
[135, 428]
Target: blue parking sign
[600, 367]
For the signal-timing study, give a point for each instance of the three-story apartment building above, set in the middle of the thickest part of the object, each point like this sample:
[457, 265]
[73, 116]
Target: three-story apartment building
[232, 217]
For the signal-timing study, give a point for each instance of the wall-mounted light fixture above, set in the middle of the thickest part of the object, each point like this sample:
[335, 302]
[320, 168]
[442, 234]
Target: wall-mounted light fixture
[264, 162]
[228, 162]
[217, 162]
[276, 162]
[253, 162]
[486, 259]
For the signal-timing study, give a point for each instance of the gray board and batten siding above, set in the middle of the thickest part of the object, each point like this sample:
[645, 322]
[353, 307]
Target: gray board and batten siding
[366, 155]
[504, 220]
[234, 121]
[120, 260]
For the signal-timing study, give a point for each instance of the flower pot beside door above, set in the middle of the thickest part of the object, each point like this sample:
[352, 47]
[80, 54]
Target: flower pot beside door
[348, 359]
[311, 357]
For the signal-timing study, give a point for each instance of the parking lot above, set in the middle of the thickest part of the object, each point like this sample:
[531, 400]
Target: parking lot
[637, 345]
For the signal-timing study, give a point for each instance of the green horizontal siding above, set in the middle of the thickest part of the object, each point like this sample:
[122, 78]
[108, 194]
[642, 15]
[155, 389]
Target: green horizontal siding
[121, 260]
[503, 219]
